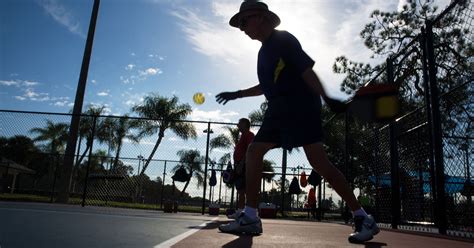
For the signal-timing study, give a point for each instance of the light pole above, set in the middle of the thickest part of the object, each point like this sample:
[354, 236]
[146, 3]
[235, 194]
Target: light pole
[140, 159]
[208, 131]
[138, 186]
[66, 172]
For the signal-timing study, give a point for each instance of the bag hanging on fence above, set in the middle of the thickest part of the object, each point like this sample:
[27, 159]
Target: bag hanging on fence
[294, 186]
[228, 174]
[181, 175]
[314, 178]
[213, 180]
[303, 180]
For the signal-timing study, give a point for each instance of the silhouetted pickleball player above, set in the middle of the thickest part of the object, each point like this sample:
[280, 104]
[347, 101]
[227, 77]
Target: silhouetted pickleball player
[293, 116]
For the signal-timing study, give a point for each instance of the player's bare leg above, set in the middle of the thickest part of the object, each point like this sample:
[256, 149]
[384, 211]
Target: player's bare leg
[365, 226]
[319, 161]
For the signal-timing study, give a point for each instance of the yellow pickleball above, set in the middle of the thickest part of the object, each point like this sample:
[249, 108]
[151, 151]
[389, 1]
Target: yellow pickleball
[199, 98]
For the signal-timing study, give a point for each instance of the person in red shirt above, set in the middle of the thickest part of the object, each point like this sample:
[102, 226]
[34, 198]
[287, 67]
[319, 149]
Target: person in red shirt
[312, 202]
[246, 137]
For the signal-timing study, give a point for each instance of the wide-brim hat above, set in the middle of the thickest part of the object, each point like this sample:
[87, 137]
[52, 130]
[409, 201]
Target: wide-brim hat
[254, 5]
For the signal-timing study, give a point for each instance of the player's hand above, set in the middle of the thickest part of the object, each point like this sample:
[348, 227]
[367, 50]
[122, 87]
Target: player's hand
[224, 97]
[335, 105]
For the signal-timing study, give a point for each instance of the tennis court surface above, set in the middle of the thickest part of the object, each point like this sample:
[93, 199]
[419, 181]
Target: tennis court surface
[54, 225]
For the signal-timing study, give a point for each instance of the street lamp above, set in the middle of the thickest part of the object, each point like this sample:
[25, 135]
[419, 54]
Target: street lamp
[208, 131]
[140, 158]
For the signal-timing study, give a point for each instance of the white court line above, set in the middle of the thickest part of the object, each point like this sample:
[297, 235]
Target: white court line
[172, 241]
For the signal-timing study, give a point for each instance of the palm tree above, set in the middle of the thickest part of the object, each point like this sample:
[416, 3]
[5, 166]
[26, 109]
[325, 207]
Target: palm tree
[85, 129]
[191, 160]
[269, 172]
[163, 113]
[54, 133]
[119, 128]
[256, 116]
[226, 141]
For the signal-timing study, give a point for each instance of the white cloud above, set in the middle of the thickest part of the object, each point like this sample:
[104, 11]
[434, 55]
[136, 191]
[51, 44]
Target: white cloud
[61, 103]
[93, 81]
[141, 75]
[103, 93]
[30, 83]
[326, 30]
[132, 99]
[18, 83]
[129, 67]
[62, 15]
[9, 82]
[150, 72]
[30, 93]
[214, 115]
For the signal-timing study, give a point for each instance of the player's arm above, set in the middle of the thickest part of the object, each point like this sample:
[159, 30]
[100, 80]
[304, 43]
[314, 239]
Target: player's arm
[313, 82]
[224, 97]
[252, 91]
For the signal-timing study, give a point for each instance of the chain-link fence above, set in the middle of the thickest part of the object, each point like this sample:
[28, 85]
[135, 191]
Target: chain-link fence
[115, 166]
[417, 170]
[414, 171]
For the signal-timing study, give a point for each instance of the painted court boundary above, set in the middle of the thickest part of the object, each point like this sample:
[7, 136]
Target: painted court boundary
[172, 241]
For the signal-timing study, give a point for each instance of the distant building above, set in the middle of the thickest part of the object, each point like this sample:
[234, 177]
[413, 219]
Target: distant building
[9, 172]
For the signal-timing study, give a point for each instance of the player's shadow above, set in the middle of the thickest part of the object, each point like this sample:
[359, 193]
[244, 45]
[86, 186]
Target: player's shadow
[243, 240]
[211, 225]
[374, 244]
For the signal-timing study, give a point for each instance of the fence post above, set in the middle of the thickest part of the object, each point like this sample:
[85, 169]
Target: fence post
[346, 160]
[377, 173]
[394, 160]
[208, 131]
[84, 193]
[163, 186]
[56, 168]
[430, 124]
[436, 133]
[283, 179]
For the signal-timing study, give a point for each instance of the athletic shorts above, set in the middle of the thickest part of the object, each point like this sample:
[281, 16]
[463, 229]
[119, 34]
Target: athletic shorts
[291, 122]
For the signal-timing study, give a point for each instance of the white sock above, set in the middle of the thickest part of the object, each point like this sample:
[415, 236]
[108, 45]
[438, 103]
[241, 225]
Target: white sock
[359, 212]
[250, 212]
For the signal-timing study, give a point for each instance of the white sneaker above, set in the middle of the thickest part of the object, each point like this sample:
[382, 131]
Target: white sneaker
[365, 229]
[235, 215]
[243, 224]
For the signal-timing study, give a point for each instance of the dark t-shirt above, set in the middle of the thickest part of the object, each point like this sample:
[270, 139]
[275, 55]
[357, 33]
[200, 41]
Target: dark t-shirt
[293, 114]
[281, 62]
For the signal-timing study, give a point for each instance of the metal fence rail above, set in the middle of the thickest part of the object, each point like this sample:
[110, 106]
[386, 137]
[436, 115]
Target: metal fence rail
[417, 170]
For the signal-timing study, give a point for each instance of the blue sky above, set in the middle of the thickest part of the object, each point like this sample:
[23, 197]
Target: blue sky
[169, 47]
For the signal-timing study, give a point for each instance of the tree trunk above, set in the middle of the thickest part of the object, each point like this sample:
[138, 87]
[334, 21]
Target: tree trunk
[161, 134]
[117, 154]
